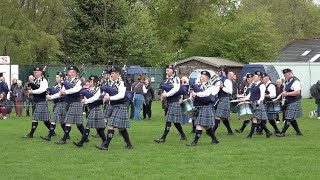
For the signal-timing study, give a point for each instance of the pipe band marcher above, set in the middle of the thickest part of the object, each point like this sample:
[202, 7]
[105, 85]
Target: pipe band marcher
[174, 114]
[223, 106]
[203, 104]
[71, 90]
[292, 95]
[92, 97]
[38, 90]
[119, 117]
[250, 82]
[59, 108]
[256, 96]
[270, 95]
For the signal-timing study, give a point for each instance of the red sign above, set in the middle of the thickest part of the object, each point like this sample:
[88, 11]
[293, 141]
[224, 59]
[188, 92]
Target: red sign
[4, 59]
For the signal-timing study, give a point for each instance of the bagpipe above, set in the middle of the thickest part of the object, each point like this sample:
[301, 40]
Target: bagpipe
[204, 100]
[183, 90]
[70, 84]
[129, 95]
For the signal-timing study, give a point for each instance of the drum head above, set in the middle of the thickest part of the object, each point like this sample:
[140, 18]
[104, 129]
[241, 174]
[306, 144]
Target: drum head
[245, 117]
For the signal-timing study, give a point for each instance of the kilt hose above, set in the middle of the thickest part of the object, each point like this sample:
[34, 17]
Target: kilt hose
[41, 112]
[119, 116]
[59, 112]
[95, 118]
[75, 113]
[174, 113]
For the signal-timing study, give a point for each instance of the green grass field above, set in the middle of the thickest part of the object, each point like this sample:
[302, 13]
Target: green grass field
[234, 157]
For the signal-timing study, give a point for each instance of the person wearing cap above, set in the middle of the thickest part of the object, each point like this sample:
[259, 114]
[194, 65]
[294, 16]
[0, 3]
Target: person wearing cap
[59, 108]
[174, 114]
[95, 115]
[41, 112]
[256, 96]
[292, 95]
[204, 116]
[119, 117]
[246, 90]
[270, 95]
[71, 91]
[223, 106]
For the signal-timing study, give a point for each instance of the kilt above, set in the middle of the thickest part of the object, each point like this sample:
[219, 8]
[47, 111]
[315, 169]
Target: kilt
[205, 116]
[41, 112]
[260, 111]
[74, 113]
[119, 116]
[223, 108]
[174, 113]
[272, 116]
[107, 110]
[59, 113]
[95, 118]
[294, 110]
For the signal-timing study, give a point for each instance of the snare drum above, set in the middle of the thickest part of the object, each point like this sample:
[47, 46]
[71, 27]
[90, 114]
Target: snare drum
[187, 106]
[245, 111]
[273, 106]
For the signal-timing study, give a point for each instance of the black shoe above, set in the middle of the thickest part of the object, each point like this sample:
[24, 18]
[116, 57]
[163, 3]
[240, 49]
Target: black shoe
[101, 147]
[28, 136]
[249, 137]
[87, 140]
[61, 142]
[280, 135]
[68, 137]
[77, 144]
[96, 136]
[277, 131]
[192, 144]
[239, 131]
[129, 147]
[184, 138]
[268, 134]
[47, 138]
[54, 134]
[214, 141]
[160, 140]
[299, 134]
[230, 134]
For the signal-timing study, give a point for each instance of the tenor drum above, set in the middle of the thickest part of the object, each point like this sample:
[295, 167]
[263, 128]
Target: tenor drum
[187, 106]
[273, 106]
[245, 111]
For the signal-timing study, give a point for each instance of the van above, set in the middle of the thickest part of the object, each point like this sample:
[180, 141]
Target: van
[269, 69]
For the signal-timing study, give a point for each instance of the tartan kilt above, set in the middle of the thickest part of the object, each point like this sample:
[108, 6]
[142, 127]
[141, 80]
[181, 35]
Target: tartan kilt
[223, 108]
[174, 113]
[41, 112]
[294, 110]
[205, 116]
[119, 116]
[59, 112]
[95, 118]
[74, 113]
[260, 111]
[107, 110]
[272, 116]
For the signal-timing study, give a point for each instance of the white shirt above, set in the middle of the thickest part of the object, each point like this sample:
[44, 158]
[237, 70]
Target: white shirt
[175, 89]
[205, 93]
[296, 86]
[73, 90]
[216, 88]
[271, 89]
[43, 87]
[94, 98]
[262, 88]
[227, 88]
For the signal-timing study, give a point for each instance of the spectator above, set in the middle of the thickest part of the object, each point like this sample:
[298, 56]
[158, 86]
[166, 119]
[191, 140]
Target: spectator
[185, 82]
[13, 85]
[148, 98]
[3, 86]
[279, 90]
[315, 93]
[139, 88]
[242, 85]
[3, 105]
[128, 83]
[29, 101]
[19, 98]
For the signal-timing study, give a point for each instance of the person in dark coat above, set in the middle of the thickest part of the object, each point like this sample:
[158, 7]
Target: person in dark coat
[128, 83]
[4, 105]
[3, 86]
[148, 98]
[18, 98]
[279, 90]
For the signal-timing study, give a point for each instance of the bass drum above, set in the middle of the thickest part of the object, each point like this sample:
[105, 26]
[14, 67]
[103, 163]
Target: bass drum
[194, 77]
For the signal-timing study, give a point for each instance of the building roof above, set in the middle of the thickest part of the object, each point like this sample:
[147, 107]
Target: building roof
[213, 61]
[300, 51]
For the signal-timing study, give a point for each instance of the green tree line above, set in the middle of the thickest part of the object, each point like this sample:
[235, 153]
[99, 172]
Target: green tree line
[150, 32]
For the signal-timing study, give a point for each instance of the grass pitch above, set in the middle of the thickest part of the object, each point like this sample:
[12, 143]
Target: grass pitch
[234, 157]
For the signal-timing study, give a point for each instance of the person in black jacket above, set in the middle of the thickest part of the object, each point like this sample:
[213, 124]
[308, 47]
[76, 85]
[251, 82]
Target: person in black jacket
[3, 86]
[279, 90]
[148, 98]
